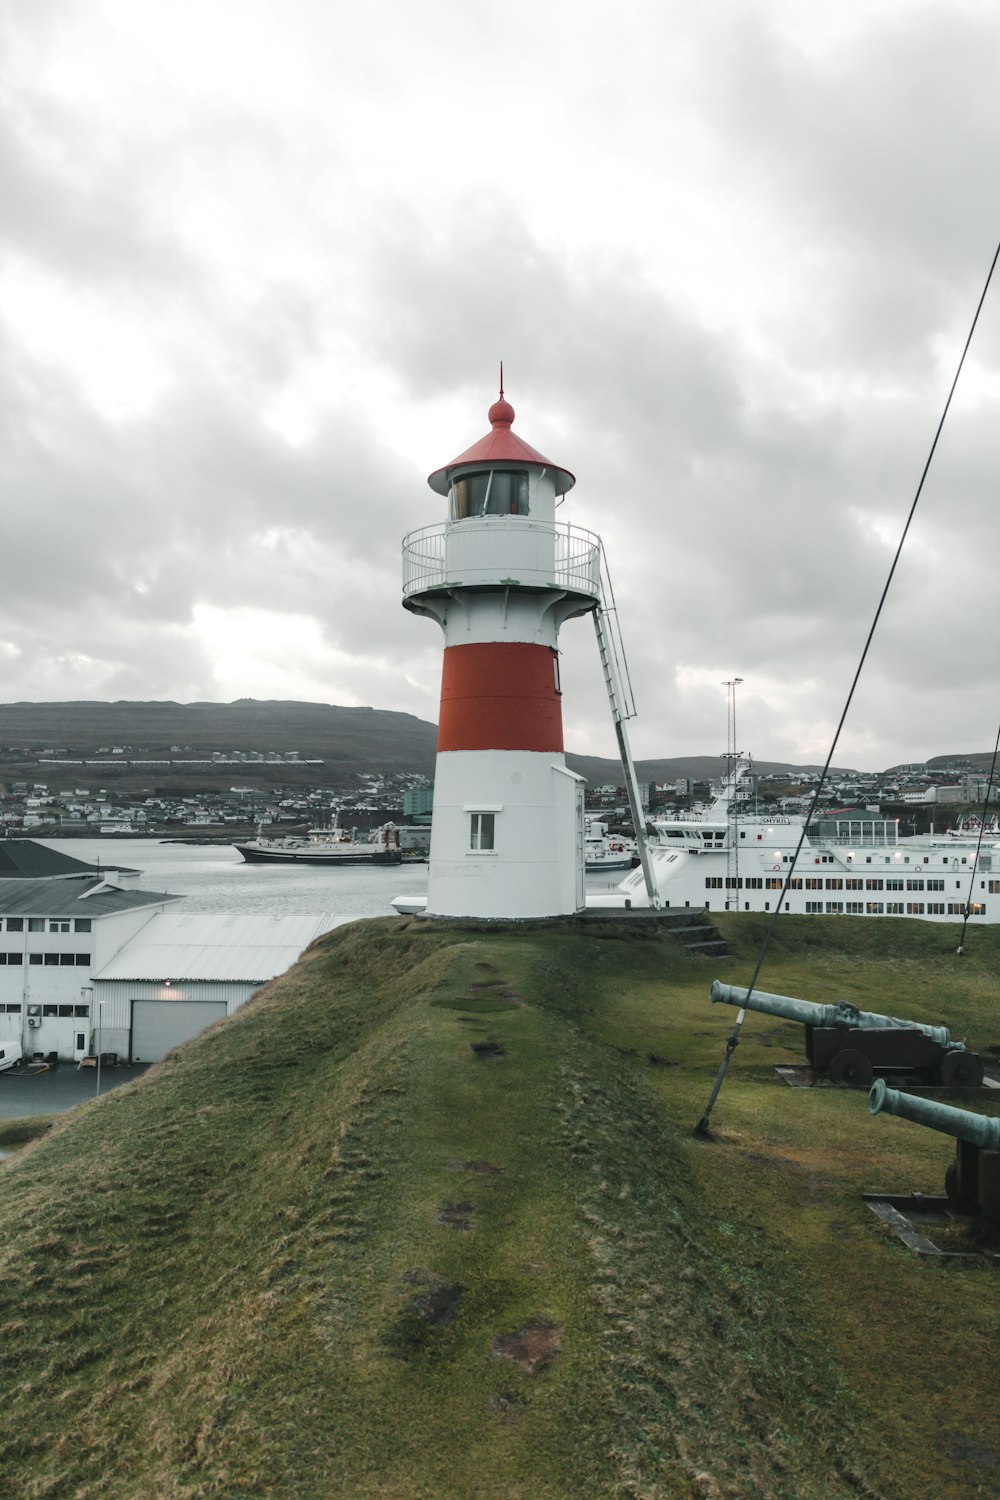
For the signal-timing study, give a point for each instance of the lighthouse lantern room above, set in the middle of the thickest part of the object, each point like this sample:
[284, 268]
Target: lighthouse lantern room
[500, 576]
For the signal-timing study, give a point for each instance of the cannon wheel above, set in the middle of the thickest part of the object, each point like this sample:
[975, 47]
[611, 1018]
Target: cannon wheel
[962, 1070]
[851, 1067]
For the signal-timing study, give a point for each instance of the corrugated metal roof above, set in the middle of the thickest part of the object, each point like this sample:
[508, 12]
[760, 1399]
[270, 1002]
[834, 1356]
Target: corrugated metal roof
[217, 945]
[75, 895]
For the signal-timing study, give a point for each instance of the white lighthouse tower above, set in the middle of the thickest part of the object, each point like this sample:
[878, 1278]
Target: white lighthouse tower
[501, 575]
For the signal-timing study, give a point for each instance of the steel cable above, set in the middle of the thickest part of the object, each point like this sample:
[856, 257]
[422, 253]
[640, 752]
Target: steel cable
[702, 1127]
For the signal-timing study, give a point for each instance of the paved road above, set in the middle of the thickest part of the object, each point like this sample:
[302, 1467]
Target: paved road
[57, 1090]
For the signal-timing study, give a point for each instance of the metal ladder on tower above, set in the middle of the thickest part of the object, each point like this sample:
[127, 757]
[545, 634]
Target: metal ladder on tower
[619, 688]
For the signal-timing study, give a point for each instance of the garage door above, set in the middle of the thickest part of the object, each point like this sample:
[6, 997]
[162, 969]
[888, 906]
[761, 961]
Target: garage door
[159, 1025]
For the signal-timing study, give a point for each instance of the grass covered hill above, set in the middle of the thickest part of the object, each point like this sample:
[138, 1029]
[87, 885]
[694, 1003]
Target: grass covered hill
[429, 1219]
[351, 739]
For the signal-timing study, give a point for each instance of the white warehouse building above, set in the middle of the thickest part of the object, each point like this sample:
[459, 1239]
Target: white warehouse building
[89, 964]
[55, 933]
[186, 970]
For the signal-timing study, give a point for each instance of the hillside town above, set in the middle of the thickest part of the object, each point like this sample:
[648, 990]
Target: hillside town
[53, 793]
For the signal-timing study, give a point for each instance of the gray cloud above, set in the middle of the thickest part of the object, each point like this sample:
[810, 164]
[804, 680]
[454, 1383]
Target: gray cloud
[747, 436]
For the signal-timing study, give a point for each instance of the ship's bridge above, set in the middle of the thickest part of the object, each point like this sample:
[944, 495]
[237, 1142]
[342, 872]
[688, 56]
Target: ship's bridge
[491, 551]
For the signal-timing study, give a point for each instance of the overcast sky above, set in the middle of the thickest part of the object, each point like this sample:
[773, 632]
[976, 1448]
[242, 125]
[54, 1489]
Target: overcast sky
[259, 264]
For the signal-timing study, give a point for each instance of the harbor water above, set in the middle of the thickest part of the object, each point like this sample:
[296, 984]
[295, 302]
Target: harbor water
[214, 878]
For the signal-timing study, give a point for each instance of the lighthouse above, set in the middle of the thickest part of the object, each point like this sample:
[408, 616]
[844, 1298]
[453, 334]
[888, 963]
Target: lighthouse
[501, 575]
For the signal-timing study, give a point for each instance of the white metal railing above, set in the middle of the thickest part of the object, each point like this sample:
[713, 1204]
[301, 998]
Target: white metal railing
[575, 558]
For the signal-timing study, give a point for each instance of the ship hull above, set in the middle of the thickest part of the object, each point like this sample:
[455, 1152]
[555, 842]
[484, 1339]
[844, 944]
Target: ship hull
[353, 855]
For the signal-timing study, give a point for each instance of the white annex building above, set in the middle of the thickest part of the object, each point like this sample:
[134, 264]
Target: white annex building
[185, 970]
[89, 963]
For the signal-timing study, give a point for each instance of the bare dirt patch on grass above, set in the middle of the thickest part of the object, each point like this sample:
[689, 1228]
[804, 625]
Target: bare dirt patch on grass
[531, 1347]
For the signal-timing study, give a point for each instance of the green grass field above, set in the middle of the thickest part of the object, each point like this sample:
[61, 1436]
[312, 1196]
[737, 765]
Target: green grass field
[429, 1219]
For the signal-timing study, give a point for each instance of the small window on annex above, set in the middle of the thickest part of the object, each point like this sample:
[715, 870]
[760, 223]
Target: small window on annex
[493, 492]
[482, 830]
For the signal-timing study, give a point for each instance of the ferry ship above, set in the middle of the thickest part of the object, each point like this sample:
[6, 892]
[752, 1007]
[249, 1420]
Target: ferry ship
[734, 859]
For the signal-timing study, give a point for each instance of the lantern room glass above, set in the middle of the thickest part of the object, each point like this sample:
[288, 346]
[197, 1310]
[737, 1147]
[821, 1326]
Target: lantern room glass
[490, 492]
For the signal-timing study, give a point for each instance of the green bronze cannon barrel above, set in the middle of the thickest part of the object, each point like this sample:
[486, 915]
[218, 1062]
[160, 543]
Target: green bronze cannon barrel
[977, 1130]
[808, 1013]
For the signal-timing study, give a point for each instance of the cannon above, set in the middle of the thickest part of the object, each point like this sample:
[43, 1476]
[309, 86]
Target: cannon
[972, 1181]
[851, 1045]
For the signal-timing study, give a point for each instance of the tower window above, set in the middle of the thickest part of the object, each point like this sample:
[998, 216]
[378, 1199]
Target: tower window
[482, 830]
[493, 492]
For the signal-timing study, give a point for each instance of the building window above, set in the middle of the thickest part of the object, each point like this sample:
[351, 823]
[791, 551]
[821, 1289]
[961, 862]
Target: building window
[15, 924]
[873, 885]
[15, 958]
[937, 907]
[713, 882]
[482, 831]
[13, 1010]
[55, 926]
[81, 1010]
[873, 908]
[914, 885]
[894, 908]
[36, 924]
[935, 885]
[82, 960]
[855, 884]
[65, 960]
[493, 492]
[833, 907]
[51, 960]
[82, 924]
[914, 908]
[50, 1010]
[34, 958]
[855, 908]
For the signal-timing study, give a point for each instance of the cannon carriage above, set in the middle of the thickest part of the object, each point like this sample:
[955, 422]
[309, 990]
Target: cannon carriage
[852, 1045]
[972, 1181]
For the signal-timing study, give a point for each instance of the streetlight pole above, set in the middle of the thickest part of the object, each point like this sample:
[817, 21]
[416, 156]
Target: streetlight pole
[100, 1026]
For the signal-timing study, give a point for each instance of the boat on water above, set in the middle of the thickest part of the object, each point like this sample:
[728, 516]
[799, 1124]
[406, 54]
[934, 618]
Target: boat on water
[733, 858]
[325, 846]
[606, 851]
[972, 828]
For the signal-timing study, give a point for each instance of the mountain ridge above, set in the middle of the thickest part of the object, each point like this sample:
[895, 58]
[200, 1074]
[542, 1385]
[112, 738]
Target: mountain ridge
[354, 739]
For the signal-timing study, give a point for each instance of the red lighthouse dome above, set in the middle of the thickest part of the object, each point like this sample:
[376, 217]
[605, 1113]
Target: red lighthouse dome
[501, 446]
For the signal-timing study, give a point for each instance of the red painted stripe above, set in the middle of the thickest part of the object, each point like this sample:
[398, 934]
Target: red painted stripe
[500, 696]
